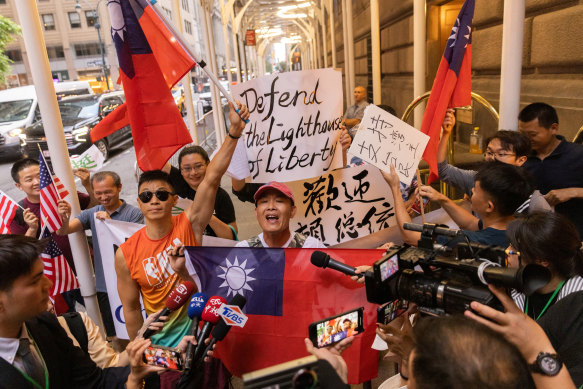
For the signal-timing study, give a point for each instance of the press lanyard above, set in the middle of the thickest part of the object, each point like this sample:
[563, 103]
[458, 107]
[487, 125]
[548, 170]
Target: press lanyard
[548, 302]
[36, 385]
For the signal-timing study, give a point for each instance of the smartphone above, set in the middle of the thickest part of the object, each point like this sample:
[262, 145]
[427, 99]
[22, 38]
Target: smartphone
[333, 329]
[163, 356]
[388, 312]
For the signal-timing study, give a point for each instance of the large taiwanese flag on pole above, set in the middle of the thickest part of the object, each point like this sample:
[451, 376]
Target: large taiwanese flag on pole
[452, 85]
[151, 60]
[285, 293]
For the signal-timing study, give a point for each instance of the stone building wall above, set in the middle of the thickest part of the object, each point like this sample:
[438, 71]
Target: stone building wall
[552, 55]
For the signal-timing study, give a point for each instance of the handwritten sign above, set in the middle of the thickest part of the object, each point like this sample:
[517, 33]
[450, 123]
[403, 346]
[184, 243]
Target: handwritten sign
[92, 159]
[181, 205]
[342, 205]
[384, 140]
[294, 125]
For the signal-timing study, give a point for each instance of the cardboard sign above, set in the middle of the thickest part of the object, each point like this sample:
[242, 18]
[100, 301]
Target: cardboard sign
[294, 125]
[342, 205]
[384, 140]
[92, 159]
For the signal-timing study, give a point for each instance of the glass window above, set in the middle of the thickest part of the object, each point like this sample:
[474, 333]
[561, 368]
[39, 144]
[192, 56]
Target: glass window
[14, 55]
[91, 18]
[11, 111]
[2, 2]
[86, 49]
[48, 22]
[55, 52]
[185, 5]
[74, 20]
[188, 27]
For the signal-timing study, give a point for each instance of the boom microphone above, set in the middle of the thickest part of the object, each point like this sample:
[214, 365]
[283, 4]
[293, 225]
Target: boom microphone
[176, 299]
[323, 260]
[221, 329]
[211, 317]
[195, 309]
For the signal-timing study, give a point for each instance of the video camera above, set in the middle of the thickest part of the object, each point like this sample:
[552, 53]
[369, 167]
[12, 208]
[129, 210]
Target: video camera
[441, 280]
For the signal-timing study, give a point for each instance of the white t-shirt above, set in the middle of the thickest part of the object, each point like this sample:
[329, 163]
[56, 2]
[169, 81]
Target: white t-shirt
[310, 243]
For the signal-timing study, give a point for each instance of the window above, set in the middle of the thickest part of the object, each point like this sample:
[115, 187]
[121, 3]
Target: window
[185, 5]
[2, 2]
[188, 27]
[168, 12]
[91, 18]
[86, 49]
[48, 22]
[55, 52]
[14, 55]
[74, 20]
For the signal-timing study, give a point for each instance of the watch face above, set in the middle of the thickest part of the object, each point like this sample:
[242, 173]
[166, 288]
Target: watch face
[549, 365]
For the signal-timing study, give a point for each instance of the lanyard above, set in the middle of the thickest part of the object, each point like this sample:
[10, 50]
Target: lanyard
[548, 302]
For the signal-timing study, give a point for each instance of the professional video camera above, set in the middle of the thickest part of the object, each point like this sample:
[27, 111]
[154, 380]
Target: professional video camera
[441, 280]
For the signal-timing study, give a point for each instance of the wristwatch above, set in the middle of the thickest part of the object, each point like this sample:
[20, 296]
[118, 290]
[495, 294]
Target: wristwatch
[547, 364]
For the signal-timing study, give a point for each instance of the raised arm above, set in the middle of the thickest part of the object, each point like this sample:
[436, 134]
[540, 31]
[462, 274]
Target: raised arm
[200, 211]
[462, 217]
[85, 176]
[129, 294]
[557, 196]
[68, 227]
[448, 123]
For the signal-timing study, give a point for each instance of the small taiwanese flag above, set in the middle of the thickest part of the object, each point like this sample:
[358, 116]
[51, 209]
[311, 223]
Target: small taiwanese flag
[151, 60]
[285, 293]
[452, 86]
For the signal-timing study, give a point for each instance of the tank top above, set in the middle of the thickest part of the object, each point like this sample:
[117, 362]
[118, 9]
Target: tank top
[149, 266]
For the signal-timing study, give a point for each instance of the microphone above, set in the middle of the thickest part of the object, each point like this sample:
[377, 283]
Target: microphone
[195, 309]
[323, 260]
[222, 328]
[176, 299]
[210, 315]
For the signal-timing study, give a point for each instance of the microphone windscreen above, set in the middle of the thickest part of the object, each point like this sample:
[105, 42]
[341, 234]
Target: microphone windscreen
[196, 306]
[210, 313]
[319, 258]
[238, 300]
[220, 331]
[179, 296]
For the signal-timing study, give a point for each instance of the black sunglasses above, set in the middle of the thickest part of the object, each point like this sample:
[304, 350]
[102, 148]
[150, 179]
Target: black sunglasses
[161, 194]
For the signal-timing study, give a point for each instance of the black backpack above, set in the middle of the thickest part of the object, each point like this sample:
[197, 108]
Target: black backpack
[77, 328]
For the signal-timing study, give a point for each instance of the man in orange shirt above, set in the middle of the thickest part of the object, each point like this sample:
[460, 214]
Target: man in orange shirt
[142, 262]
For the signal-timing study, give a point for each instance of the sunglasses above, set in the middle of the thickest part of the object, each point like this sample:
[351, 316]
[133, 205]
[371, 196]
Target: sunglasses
[161, 194]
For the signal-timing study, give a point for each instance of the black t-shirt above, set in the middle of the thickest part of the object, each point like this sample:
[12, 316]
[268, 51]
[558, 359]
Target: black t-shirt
[224, 209]
[247, 192]
[563, 324]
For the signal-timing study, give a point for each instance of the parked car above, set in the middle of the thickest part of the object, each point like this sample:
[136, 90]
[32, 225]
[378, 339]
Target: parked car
[80, 114]
[18, 109]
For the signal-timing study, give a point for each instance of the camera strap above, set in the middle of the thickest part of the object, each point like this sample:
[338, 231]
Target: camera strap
[548, 302]
[482, 267]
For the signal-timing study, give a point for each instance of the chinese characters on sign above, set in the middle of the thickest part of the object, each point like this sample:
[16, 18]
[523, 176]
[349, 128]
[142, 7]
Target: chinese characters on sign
[294, 124]
[384, 140]
[92, 160]
[342, 205]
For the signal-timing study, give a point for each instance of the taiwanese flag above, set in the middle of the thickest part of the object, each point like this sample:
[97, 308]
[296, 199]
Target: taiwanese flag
[151, 61]
[452, 86]
[285, 293]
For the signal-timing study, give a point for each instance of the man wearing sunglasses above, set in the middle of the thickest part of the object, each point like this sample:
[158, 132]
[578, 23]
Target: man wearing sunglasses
[142, 263]
[509, 147]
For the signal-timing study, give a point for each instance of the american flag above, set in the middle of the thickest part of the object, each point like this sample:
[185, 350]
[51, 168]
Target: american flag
[7, 212]
[63, 192]
[56, 268]
[49, 197]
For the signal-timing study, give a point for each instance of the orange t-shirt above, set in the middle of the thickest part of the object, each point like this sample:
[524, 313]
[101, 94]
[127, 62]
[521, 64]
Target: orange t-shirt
[149, 267]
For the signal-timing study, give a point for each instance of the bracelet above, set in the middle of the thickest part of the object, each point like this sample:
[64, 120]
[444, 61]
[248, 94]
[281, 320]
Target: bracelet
[233, 137]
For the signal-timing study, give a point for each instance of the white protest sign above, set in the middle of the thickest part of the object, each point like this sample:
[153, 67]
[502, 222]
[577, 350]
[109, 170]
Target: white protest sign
[112, 233]
[92, 160]
[238, 168]
[180, 206]
[294, 124]
[384, 140]
[342, 205]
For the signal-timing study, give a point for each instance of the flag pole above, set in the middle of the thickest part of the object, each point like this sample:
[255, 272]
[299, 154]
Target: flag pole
[182, 41]
[421, 207]
[34, 43]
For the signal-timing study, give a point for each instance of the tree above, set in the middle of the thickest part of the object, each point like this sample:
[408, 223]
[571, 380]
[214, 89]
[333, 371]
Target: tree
[8, 30]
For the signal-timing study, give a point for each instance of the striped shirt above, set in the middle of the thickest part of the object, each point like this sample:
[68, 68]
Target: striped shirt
[573, 284]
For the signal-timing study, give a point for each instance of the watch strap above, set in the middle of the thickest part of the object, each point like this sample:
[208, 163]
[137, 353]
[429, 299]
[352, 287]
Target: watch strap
[537, 368]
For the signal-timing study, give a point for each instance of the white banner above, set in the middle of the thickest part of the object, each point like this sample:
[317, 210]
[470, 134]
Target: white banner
[112, 233]
[384, 140]
[92, 160]
[342, 205]
[294, 125]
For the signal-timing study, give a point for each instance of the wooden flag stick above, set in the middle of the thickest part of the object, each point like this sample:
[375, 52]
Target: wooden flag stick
[421, 207]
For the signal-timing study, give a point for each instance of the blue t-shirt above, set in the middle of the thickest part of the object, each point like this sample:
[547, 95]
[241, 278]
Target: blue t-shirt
[125, 213]
[488, 236]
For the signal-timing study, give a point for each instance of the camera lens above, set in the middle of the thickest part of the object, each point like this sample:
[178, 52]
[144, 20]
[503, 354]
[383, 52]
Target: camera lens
[305, 379]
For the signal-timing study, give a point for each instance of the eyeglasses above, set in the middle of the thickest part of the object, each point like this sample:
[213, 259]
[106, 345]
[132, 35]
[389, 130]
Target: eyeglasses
[196, 168]
[511, 251]
[497, 155]
[162, 195]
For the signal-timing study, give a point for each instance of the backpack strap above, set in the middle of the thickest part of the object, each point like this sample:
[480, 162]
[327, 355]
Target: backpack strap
[255, 242]
[77, 328]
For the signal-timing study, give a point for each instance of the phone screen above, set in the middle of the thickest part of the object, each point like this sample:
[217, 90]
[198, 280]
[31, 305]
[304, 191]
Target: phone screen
[389, 267]
[163, 356]
[334, 329]
[390, 311]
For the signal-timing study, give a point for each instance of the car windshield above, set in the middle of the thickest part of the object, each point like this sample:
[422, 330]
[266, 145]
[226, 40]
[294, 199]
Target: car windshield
[11, 111]
[84, 109]
[206, 89]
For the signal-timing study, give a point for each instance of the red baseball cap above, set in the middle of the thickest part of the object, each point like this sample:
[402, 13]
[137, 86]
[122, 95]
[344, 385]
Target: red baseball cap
[278, 186]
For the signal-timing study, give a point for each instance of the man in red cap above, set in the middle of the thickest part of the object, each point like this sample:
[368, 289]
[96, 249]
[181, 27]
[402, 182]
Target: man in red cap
[274, 207]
